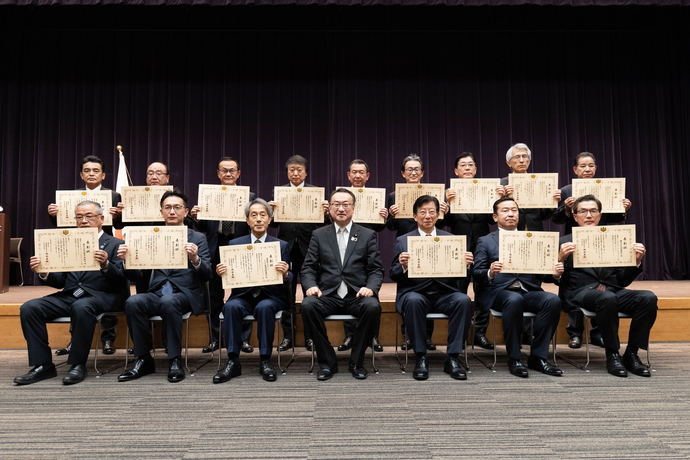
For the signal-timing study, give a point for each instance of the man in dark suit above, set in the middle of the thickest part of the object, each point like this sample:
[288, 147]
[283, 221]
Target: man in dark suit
[603, 290]
[585, 167]
[92, 172]
[263, 302]
[342, 273]
[418, 296]
[219, 234]
[512, 294]
[171, 294]
[84, 296]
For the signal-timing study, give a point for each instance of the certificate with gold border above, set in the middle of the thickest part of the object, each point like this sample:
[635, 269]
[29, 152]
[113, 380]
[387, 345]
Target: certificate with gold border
[222, 202]
[604, 246]
[156, 247]
[407, 194]
[474, 196]
[251, 264]
[534, 190]
[609, 191]
[528, 252]
[67, 249]
[369, 202]
[437, 257]
[299, 204]
[143, 203]
[67, 201]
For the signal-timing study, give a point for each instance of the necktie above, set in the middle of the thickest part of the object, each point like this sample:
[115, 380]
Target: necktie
[428, 234]
[342, 245]
[167, 289]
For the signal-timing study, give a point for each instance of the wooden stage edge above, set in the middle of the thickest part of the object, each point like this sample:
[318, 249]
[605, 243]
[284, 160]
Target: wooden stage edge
[672, 324]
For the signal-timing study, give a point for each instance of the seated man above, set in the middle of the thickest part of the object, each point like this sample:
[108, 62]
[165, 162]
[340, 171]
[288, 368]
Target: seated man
[342, 274]
[418, 296]
[602, 290]
[171, 294]
[261, 302]
[515, 293]
[84, 296]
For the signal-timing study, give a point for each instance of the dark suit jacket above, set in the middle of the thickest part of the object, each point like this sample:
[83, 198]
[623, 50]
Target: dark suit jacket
[362, 266]
[560, 217]
[474, 226]
[406, 284]
[485, 290]
[293, 232]
[403, 226]
[576, 282]
[111, 286]
[532, 218]
[117, 223]
[215, 239]
[274, 291]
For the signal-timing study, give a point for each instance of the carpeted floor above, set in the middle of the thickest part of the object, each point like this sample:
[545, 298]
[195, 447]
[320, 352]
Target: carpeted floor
[491, 415]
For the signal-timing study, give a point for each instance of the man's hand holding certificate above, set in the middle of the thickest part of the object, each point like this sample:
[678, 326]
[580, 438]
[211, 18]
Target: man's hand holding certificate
[528, 252]
[248, 265]
[66, 250]
[154, 247]
[604, 246]
[437, 257]
[143, 203]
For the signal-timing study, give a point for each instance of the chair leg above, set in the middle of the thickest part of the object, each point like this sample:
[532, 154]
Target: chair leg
[397, 356]
[588, 325]
[493, 328]
[373, 357]
[186, 347]
[292, 358]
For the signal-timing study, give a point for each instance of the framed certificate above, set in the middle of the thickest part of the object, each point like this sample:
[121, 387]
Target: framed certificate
[222, 202]
[609, 191]
[143, 203]
[604, 246]
[407, 194]
[474, 196]
[534, 190]
[437, 257]
[528, 252]
[156, 247]
[368, 203]
[67, 200]
[67, 250]
[298, 204]
[251, 264]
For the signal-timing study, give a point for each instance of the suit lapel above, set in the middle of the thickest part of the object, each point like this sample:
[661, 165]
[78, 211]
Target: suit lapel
[351, 242]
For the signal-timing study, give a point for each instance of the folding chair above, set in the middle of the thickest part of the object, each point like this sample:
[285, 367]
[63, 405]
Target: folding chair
[344, 318]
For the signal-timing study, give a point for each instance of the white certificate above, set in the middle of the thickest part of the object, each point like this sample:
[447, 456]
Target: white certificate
[222, 202]
[251, 264]
[604, 246]
[437, 257]
[609, 191]
[143, 203]
[474, 196]
[299, 204]
[528, 252]
[534, 190]
[156, 247]
[67, 200]
[67, 250]
[368, 203]
[407, 194]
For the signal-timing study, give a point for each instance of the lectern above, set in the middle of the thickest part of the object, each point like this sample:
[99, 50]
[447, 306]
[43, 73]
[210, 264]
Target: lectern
[4, 252]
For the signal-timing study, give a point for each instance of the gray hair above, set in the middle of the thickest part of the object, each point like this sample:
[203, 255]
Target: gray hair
[99, 208]
[518, 146]
[263, 203]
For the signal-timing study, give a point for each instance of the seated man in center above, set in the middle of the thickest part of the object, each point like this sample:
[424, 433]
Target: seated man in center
[262, 302]
[342, 274]
[418, 296]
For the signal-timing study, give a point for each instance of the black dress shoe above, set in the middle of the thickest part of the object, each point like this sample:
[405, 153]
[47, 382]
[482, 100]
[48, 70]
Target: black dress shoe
[213, 346]
[267, 370]
[108, 347]
[407, 345]
[346, 345]
[38, 373]
[175, 371]
[231, 369]
[325, 373]
[142, 367]
[76, 374]
[597, 341]
[575, 342]
[614, 366]
[516, 368]
[377, 345]
[421, 368]
[453, 367]
[285, 345]
[360, 373]
[64, 351]
[539, 364]
[246, 348]
[482, 342]
[310, 345]
[632, 363]
[430, 345]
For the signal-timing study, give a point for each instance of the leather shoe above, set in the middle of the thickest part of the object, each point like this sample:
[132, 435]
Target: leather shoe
[575, 342]
[325, 373]
[64, 351]
[285, 345]
[246, 348]
[213, 346]
[360, 373]
[38, 373]
[482, 342]
[175, 371]
[539, 364]
[430, 345]
[142, 367]
[421, 368]
[597, 341]
[346, 345]
[453, 367]
[614, 366]
[108, 347]
[231, 369]
[310, 345]
[516, 368]
[377, 345]
[76, 374]
[632, 363]
[267, 370]
[407, 345]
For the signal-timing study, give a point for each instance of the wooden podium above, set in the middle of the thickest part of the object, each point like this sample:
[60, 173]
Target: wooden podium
[5, 231]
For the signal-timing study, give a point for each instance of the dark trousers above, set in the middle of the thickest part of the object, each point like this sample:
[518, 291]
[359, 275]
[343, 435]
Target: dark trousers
[263, 308]
[217, 293]
[367, 310]
[576, 325]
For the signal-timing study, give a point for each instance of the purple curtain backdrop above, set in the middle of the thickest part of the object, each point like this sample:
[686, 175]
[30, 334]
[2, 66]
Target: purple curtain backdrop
[186, 86]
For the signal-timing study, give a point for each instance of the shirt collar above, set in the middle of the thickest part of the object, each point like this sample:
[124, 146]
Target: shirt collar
[348, 227]
[262, 239]
[423, 233]
[295, 186]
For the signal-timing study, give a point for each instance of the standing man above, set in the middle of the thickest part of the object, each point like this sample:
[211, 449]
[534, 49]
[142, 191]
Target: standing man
[342, 274]
[262, 302]
[418, 296]
[603, 290]
[171, 294]
[219, 233]
[512, 294]
[84, 296]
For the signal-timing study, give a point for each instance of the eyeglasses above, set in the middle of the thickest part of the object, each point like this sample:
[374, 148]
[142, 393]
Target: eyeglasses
[584, 212]
[156, 173]
[342, 205]
[522, 156]
[413, 170]
[228, 171]
[79, 218]
[426, 213]
[177, 208]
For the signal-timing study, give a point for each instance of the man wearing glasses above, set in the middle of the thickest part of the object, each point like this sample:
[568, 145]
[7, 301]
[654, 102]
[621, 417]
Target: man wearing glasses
[84, 296]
